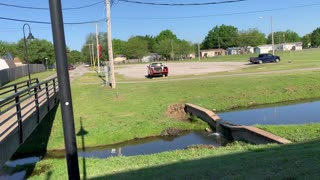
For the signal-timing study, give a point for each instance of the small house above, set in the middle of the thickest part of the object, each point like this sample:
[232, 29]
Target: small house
[212, 53]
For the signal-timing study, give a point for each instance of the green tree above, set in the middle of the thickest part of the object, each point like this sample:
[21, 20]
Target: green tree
[251, 37]
[8, 47]
[315, 37]
[223, 36]
[89, 48]
[151, 42]
[306, 41]
[38, 51]
[137, 47]
[284, 37]
[165, 34]
[183, 48]
[119, 47]
[74, 56]
[164, 48]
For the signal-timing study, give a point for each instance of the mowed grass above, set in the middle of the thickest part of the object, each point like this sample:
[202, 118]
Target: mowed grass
[139, 110]
[236, 161]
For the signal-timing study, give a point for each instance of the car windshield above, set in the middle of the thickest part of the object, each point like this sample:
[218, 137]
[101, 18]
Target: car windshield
[156, 64]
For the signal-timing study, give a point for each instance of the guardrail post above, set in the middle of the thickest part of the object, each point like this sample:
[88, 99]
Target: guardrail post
[48, 98]
[54, 91]
[18, 108]
[36, 100]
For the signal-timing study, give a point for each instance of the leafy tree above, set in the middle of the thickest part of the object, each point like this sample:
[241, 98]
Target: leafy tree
[151, 42]
[251, 37]
[38, 51]
[221, 37]
[166, 34]
[164, 48]
[74, 57]
[137, 47]
[306, 40]
[88, 50]
[8, 47]
[283, 37]
[315, 37]
[119, 47]
[183, 48]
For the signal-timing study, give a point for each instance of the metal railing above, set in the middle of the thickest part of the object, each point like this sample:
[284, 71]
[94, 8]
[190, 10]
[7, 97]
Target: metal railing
[22, 100]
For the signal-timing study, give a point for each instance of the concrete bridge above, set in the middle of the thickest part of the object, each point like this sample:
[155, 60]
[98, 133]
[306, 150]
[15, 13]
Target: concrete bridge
[22, 107]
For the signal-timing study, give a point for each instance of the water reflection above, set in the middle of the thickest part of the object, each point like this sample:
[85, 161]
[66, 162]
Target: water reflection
[148, 145]
[303, 113]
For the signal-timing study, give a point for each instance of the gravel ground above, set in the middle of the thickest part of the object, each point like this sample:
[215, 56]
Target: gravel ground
[187, 68]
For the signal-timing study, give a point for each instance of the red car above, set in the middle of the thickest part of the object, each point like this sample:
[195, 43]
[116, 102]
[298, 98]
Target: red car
[157, 69]
[71, 67]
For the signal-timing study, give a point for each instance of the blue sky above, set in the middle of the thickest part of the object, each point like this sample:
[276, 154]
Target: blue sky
[190, 23]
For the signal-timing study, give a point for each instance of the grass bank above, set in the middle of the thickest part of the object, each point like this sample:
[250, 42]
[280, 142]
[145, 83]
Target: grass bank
[139, 110]
[237, 161]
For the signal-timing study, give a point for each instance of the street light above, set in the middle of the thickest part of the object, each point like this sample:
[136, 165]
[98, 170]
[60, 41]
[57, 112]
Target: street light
[30, 36]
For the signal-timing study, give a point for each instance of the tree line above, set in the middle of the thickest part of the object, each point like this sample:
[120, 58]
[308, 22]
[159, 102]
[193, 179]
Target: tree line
[166, 44]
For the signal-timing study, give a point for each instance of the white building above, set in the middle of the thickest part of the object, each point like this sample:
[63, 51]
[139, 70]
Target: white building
[295, 46]
[3, 64]
[263, 49]
[212, 53]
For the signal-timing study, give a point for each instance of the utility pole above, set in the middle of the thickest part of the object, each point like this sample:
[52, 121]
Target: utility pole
[172, 55]
[199, 51]
[64, 89]
[92, 50]
[110, 51]
[271, 21]
[91, 62]
[97, 40]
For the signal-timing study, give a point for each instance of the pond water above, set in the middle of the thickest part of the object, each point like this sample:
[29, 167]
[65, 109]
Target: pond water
[148, 145]
[303, 113]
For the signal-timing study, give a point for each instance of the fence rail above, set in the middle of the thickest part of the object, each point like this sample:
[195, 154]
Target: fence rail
[23, 107]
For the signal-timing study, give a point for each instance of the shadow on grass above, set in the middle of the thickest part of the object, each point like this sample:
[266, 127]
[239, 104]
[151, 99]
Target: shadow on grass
[294, 161]
[82, 132]
[36, 144]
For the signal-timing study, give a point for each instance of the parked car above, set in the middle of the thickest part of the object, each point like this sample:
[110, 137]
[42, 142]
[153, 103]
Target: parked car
[157, 69]
[71, 67]
[264, 58]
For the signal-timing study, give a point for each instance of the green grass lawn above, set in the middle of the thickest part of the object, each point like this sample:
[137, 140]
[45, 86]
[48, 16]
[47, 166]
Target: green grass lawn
[139, 110]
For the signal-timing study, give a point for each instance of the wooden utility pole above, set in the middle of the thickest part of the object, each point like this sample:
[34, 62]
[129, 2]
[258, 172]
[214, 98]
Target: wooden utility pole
[272, 36]
[94, 62]
[97, 40]
[110, 51]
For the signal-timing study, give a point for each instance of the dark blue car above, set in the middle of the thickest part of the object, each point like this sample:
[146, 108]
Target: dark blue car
[264, 58]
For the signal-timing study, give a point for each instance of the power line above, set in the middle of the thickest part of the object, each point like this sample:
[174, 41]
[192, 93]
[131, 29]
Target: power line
[42, 8]
[43, 22]
[181, 4]
[219, 15]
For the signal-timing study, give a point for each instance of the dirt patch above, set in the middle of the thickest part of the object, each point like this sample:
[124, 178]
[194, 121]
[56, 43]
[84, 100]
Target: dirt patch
[172, 132]
[181, 68]
[176, 111]
[201, 146]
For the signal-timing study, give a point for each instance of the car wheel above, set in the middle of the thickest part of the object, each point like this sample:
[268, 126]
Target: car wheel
[277, 60]
[260, 62]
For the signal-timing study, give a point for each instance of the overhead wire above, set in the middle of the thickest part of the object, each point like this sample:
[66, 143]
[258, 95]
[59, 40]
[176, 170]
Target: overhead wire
[182, 17]
[43, 8]
[43, 22]
[181, 4]
[219, 15]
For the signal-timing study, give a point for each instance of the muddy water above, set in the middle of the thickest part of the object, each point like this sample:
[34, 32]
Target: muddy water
[303, 113]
